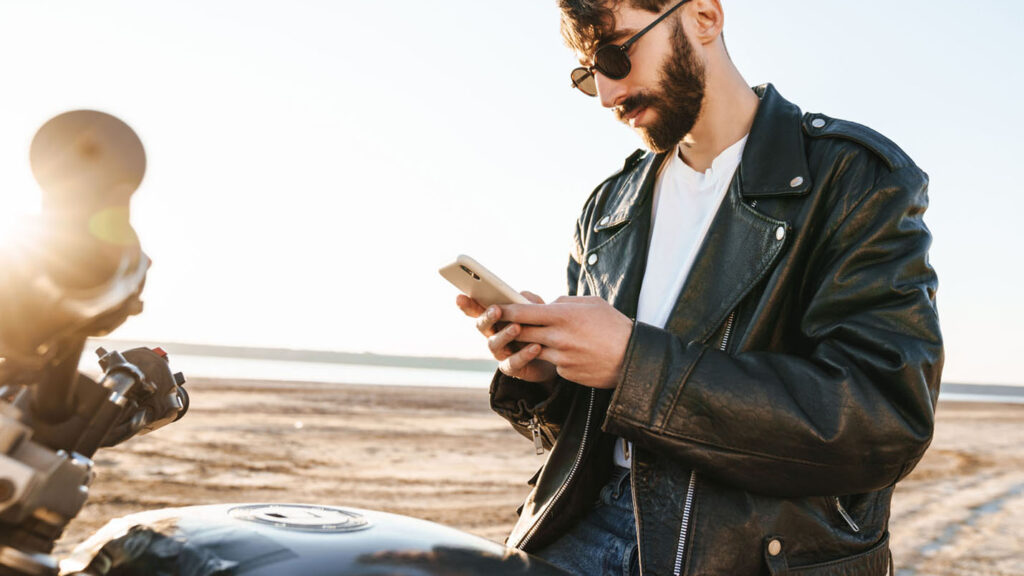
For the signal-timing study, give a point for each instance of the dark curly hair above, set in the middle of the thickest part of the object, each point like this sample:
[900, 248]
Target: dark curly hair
[587, 23]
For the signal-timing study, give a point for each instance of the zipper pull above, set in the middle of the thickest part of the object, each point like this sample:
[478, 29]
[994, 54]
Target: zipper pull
[846, 515]
[534, 426]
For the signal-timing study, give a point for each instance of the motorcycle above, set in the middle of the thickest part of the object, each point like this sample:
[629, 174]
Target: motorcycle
[78, 271]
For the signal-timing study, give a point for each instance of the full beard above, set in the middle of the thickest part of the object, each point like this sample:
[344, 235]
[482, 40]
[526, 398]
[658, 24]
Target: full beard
[677, 103]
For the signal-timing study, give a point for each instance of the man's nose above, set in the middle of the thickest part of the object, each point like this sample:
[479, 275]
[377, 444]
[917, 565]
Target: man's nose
[611, 92]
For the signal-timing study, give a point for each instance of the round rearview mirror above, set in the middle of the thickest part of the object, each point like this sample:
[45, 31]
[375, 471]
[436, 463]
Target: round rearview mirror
[86, 158]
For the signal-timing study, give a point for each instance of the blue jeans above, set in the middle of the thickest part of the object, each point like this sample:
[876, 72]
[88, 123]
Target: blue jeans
[604, 542]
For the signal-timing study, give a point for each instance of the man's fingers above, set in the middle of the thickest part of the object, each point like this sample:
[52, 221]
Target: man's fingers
[516, 362]
[543, 335]
[575, 299]
[536, 314]
[485, 321]
[498, 343]
[532, 297]
[469, 306]
[550, 355]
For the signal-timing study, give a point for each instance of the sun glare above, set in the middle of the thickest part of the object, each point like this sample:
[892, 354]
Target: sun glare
[9, 221]
[17, 206]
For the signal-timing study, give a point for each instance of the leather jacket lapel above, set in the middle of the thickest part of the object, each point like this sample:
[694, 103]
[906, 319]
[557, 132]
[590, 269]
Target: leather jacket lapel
[742, 243]
[739, 248]
[616, 252]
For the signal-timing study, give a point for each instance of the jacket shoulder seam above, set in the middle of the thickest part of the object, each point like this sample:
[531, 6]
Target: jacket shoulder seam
[822, 126]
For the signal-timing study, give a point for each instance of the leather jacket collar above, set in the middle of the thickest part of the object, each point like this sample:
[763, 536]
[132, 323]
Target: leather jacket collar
[774, 162]
[744, 242]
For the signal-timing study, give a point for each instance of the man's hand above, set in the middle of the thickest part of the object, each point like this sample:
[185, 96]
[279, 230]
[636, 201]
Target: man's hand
[514, 358]
[585, 338]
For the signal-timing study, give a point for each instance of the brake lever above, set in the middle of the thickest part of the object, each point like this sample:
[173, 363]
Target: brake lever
[157, 398]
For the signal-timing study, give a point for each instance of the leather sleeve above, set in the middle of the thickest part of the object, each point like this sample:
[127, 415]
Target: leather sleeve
[854, 413]
[519, 401]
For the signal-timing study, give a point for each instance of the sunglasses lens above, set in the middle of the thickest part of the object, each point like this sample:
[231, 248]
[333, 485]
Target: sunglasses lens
[584, 80]
[612, 61]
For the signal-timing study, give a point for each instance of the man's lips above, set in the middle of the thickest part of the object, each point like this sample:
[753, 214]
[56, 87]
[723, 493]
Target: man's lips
[633, 115]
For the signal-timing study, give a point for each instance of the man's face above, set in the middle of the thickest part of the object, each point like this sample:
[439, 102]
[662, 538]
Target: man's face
[662, 95]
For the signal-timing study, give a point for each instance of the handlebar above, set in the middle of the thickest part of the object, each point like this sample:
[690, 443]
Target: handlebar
[79, 274]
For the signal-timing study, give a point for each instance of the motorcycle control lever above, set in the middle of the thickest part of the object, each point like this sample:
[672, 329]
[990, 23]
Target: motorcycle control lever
[77, 271]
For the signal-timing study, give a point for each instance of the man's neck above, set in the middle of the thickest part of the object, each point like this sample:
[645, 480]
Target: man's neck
[726, 116]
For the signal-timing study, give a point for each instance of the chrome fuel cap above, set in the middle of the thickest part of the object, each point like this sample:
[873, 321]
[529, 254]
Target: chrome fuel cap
[302, 517]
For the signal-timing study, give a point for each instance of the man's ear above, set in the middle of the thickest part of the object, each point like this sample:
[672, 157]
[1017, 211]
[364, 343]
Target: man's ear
[708, 20]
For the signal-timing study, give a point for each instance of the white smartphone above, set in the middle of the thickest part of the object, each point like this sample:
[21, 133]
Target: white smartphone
[479, 283]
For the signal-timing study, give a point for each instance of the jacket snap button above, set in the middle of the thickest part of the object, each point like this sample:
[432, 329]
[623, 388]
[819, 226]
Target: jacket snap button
[818, 123]
[774, 547]
[780, 232]
[592, 259]
[603, 221]
[796, 181]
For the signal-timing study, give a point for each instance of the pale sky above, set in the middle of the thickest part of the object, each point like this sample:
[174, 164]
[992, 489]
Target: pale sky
[312, 164]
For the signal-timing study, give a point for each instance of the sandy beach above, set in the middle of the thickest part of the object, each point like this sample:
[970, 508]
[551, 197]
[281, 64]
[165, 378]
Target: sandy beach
[440, 454]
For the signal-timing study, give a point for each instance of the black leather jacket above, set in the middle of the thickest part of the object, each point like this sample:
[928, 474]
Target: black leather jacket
[795, 381]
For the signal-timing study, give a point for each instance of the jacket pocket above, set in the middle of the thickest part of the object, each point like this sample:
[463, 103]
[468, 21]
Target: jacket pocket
[876, 561]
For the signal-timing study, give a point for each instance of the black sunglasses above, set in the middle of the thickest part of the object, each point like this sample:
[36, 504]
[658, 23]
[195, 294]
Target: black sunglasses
[611, 60]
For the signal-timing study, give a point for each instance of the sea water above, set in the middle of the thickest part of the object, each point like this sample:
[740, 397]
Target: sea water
[213, 367]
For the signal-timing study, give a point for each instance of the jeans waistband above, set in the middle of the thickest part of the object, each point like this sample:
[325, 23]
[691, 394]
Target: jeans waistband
[619, 480]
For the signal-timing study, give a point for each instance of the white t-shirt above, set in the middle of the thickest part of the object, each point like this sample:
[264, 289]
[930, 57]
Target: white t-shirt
[685, 203]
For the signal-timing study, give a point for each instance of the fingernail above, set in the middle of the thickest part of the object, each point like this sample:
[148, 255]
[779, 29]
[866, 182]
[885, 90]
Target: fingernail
[513, 329]
[492, 313]
[535, 349]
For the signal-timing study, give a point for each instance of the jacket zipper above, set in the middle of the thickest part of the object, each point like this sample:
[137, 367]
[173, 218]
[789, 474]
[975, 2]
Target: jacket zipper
[692, 488]
[846, 515]
[728, 330]
[572, 473]
[687, 510]
[538, 442]
[636, 513]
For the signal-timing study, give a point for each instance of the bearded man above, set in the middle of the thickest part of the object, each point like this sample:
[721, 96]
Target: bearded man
[749, 357]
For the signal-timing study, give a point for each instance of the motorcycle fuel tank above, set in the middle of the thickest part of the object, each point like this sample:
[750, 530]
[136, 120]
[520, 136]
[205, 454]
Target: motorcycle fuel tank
[291, 539]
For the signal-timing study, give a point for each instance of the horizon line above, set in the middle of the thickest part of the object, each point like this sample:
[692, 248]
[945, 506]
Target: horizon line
[305, 355]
